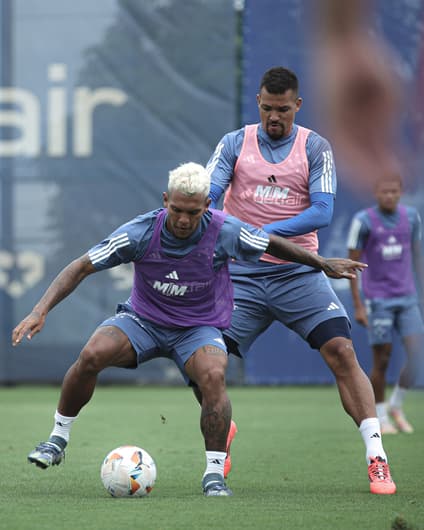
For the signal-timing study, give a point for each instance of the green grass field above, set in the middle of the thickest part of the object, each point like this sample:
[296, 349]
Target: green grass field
[298, 463]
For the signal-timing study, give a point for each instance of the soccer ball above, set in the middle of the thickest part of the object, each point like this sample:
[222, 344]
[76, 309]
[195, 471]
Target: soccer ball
[128, 471]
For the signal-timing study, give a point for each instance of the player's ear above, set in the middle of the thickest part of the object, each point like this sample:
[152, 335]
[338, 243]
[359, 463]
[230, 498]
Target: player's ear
[165, 199]
[208, 202]
[299, 102]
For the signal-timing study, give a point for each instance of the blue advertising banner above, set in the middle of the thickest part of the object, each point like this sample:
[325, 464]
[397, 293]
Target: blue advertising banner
[98, 101]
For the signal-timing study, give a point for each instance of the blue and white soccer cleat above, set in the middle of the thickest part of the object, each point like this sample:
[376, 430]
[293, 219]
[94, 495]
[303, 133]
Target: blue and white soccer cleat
[214, 486]
[46, 454]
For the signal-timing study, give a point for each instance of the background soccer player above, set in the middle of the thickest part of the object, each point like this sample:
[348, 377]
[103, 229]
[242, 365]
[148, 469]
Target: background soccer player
[388, 238]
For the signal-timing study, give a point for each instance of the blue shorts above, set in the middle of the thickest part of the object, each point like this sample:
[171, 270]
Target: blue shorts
[151, 340]
[300, 301]
[385, 315]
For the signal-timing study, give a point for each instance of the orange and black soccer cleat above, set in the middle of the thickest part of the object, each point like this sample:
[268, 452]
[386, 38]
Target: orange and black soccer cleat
[381, 481]
[231, 433]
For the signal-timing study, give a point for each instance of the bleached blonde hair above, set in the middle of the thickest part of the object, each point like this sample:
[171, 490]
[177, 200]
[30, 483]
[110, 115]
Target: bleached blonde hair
[189, 178]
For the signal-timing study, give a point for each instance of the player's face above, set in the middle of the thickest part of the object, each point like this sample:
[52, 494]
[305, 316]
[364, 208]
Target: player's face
[277, 112]
[184, 212]
[388, 193]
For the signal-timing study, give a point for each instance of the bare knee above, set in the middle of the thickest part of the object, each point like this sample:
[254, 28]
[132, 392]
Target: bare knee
[91, 359]
[340, 356]
[108, 346]
[381, 356]
[381, 363]
[206, 367]
[211, 381]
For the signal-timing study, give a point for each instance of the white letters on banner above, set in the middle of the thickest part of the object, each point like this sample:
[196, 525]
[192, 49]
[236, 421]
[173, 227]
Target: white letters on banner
[21, 110]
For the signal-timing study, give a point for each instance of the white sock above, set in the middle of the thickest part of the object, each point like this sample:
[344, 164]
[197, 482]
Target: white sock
[371, 434]
[397, 397]
[215, 462]
[62, 426]
[382, 412]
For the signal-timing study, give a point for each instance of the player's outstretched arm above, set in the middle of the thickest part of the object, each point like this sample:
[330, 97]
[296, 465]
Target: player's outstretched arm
[64, 283]
[333, 267]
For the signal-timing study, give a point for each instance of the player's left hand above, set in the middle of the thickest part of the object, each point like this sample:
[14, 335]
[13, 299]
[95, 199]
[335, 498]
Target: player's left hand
[342, 268]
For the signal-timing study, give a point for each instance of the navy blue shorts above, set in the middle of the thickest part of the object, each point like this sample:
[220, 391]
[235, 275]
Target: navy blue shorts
[401, 314]
[299, 301]
[151, 340]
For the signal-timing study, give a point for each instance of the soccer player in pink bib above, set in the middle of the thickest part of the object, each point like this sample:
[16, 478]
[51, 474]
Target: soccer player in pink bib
[280, 176]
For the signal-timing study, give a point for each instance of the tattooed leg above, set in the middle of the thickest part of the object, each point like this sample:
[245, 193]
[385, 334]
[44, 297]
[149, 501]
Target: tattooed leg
[207, 368]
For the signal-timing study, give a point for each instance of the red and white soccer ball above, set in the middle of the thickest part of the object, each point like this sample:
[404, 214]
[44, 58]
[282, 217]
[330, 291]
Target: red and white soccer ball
[128, 471]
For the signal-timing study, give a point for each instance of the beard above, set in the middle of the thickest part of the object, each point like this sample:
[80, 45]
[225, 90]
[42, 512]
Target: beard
[275, 130]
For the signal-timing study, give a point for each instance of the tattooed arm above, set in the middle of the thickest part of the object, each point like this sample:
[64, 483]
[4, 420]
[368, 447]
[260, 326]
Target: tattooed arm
[64, 283]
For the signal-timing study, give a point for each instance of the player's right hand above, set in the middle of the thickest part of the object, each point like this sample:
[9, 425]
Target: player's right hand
[29, 326]
[361, 316]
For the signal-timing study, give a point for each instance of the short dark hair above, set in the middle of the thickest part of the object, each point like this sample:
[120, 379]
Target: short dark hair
[278, 80]
[392, 177]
